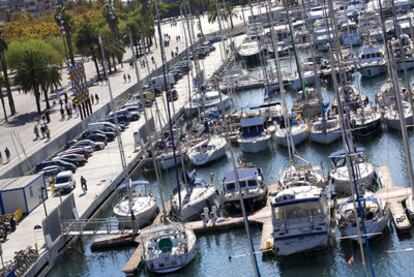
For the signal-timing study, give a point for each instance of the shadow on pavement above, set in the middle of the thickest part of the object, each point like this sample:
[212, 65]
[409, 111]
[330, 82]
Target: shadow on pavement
[22, 119]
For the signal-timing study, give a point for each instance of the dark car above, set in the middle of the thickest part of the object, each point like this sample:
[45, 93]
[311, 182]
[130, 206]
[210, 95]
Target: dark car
[79, 151]
[95, 137]
[110, 135]
[60, 163]
[122, 119]
[76, 159]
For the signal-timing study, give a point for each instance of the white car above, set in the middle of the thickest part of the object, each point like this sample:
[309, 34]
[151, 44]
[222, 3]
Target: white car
[65, 182]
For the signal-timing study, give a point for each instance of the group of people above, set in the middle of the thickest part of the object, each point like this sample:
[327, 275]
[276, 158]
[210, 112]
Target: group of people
[41, 128]
[7, 154]
[127, 77]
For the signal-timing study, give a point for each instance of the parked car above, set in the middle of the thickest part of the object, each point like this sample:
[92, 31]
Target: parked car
[65, 182]
[109, 135]
[76, 159]
[61, 164]
[102, 124]
[131, 113]
[87, 142]
[122, 119]
[78, 149]
[51, 171]
[97, 138]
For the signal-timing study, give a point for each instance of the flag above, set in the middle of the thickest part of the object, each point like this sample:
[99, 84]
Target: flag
[298, 117]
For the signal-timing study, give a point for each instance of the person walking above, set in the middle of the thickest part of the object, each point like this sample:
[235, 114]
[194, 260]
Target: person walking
[97, 98]
[125, 78]
[36, 131]
[47, 131]
[7, 153]
[1, 159]
[83, 184]
[129, 78]
[60, 102]
[92, 99]
[62, 113]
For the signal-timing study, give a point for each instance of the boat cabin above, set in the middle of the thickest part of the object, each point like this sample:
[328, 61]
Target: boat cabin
[371, 54]
[251, 127]
[249, 178]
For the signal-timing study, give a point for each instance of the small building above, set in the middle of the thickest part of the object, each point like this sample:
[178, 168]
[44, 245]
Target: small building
[25, 192]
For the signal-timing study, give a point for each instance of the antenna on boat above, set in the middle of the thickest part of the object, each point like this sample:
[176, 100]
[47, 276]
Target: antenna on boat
[163, 60]
[393, 73]
[118, 135]
[348, 150]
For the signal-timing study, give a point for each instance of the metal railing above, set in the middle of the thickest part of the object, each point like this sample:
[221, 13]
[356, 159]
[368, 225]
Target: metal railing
[96, 226]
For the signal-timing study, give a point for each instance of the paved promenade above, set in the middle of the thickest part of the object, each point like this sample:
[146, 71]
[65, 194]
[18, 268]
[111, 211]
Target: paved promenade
[22, 125]
[102, 168]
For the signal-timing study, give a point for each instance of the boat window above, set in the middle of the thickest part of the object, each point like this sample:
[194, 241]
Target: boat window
[230, 186]
[378, 55]
[251, 183]
[242, 184]
[301, 210]
[363, 56]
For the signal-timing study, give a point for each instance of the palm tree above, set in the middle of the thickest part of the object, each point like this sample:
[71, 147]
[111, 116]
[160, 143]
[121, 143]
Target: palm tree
[52, 80]
[30, 73]
[226, 13]
[86, 40]
[3, 49]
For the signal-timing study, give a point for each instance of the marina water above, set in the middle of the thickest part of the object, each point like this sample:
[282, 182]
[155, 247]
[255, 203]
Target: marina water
[214, 250]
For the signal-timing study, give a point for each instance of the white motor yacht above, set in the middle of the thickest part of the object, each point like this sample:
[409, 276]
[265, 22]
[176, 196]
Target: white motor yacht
[376, 215]
[339, 172]
[144, 207]
[371, 61]
[194, 197]
[207, 151]
[208, 100]
[253, 187]
[254, 136]
[300, 220]
[168, 248]
[392, 116]
[253, 44]
[350, 34]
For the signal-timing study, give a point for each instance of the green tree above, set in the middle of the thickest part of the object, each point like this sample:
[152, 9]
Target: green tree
[36, 66]
[227, 12]
[4, 67]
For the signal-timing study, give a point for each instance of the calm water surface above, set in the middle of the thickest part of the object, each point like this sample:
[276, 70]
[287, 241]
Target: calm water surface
[214, 250]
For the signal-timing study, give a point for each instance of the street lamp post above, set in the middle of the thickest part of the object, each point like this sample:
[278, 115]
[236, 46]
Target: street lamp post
[35, 228]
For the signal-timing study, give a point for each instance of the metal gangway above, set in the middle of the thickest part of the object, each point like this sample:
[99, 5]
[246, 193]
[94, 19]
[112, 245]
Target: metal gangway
[96, 226]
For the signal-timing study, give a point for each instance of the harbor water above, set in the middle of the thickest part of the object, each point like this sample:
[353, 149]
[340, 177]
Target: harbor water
[341, 259]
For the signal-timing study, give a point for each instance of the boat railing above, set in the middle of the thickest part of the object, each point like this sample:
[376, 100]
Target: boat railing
[96, 226]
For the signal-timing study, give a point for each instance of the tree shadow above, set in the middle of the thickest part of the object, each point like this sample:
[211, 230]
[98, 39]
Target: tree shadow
[22, 119]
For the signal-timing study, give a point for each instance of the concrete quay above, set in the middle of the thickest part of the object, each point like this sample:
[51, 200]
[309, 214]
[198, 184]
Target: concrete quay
[103, 173]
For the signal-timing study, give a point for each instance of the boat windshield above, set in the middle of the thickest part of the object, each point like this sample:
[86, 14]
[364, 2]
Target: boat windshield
[244, 184]
[298, 210]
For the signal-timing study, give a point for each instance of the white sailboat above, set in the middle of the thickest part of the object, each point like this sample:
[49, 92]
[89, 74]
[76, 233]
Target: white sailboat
[325, 129]
[209, 100]
[376, 215]
[144, 207]
[194, 197]
[299, 131]
[365, 121]
[392, 116]
[168, 248]
[300, 220]
[339, 172]
[207, 151]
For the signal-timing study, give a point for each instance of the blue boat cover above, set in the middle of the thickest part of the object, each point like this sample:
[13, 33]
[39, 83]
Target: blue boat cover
[254, 121]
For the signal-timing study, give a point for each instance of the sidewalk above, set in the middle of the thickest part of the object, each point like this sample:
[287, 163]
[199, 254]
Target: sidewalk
[21, 125]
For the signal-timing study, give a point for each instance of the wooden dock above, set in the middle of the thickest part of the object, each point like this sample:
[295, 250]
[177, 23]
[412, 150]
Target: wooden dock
[134, 262]
[395, 197]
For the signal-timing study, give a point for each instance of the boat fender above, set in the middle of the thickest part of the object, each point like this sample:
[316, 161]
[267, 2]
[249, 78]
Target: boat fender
[400, 219]
[183, 246]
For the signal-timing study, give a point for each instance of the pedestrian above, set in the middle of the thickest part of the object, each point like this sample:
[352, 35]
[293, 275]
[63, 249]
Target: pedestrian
[36, 131]
[60, 102]
[129, 78]
[131, 64]
[125, 78]
[172, 54]
[83, 184]
[47, 116]
[66, 97]
[43, 130]
[1, 159]
[152, 59]
[97, 98]
[7, 153]
[176, 49]
[92, 99]
[47, 131]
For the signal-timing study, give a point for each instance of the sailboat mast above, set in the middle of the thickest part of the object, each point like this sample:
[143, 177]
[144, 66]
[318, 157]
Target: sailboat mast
[168, 106]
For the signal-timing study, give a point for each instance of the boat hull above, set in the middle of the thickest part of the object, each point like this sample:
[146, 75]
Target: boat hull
[254, 145]
[251, 204]
[193, 210]
[372, 71]
[325, 137]
[394, 123]
[309, 242]
[141, 220]
[366, 129]
[226, 105]
[167, 161]
[296, 138]
[409, 64]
